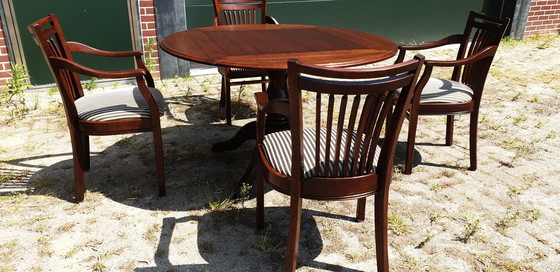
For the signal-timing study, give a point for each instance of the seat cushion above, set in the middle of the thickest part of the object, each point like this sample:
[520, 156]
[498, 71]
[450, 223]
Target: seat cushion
[439, 90]
[117, 104]
[277, 147]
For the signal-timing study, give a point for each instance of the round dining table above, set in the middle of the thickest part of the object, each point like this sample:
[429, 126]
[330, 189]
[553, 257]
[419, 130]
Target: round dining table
[269, 47]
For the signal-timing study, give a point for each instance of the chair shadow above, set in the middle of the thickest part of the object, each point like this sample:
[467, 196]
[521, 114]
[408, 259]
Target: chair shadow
[261, 250]
[400, 156]
[125, 170]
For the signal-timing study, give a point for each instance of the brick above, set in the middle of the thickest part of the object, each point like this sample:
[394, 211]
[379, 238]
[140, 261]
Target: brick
[146, 3]
[546, 7]
[543, 18]
[151, 18]
[539, 13]
[149, 11]
[149, 33]
[530, 28]
[5, 74]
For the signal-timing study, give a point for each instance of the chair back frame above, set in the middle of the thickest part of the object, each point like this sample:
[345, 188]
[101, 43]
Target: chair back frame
[236, 12]
[480, 32]
[48, 35]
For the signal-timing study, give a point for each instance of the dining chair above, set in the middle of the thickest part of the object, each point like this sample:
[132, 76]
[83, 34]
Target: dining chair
[334, 149]
[108, 112]
[462, 93]
[236, 12]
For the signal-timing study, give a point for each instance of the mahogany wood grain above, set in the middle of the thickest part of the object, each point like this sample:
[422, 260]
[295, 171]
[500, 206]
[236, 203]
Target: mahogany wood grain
[269, 46]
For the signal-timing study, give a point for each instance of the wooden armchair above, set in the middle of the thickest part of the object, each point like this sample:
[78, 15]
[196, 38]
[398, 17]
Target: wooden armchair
[334, 149]
[237, 12]
[110, 112]
[463, 92]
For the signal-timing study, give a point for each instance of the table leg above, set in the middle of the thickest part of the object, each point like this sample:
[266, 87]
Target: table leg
[277, 89]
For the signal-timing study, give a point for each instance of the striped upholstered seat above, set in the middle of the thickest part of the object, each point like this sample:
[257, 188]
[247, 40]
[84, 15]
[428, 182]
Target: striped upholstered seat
[439, 90]
[117, 104]
[277, 147]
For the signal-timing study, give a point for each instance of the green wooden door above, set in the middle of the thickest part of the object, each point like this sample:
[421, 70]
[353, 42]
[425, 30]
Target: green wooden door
[401, 21]
[103, 24]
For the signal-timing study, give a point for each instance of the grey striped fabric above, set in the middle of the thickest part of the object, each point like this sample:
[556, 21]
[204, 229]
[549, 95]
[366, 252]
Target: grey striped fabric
[439, 90]
[117, 104]
[277, 147]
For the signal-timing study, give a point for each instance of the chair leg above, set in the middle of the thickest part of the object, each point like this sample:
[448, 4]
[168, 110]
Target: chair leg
[158, 146]
[293, 234]
[227, 93]
[381, 240]
[473, 136]
[259, 184]
[78, 156]
[412, 124]
[449, 130]
[86, 153]
[263, 85]
[361, 210]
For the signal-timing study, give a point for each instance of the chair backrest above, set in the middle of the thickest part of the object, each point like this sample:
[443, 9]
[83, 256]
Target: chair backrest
[239, 12]
[48, 35]
[349, 107]
[480, 32]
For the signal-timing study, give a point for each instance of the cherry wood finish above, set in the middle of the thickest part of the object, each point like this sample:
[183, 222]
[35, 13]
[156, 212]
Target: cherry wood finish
[344, 103]
[58, 54]
[268, 47]
[237, 12]
[478, 45]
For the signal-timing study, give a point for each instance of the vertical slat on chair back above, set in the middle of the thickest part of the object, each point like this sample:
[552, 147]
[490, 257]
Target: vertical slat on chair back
[49, 37]
[237, 12]
[480, 32]
[348, 109]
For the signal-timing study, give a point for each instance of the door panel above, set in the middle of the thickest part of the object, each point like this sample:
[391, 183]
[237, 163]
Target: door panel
[103, 24]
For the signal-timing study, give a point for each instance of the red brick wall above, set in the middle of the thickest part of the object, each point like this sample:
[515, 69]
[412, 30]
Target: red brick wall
[148, 23]
[4, 59]
[543, 17]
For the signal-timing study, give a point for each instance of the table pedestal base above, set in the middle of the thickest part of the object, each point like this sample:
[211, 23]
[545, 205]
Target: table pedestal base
[277, 89]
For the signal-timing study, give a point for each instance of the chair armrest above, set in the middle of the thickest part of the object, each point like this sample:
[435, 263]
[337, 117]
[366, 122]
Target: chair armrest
[264, 107]
[270, 20]
[453, 39]
[77, 47]
[276, 106]
[80, 69]
[262, 100]
[83, 48]
[482, 54]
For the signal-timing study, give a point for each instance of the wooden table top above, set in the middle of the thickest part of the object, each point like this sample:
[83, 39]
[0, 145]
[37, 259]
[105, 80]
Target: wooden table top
[269, 46]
